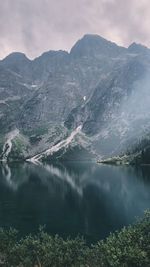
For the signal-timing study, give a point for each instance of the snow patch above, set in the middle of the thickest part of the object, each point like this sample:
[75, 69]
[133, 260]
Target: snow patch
[34, 85]
[62, 144]
[8, 144]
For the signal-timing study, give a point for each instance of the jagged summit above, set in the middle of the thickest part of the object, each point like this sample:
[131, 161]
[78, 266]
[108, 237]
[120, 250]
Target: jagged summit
[18, 63]
[15, 57]
[138, 48]
[92, 44]
[93, 36]
[51, 57]
[53, 53]
[88, 45]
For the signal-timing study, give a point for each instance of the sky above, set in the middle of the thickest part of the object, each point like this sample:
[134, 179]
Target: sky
[36, 26]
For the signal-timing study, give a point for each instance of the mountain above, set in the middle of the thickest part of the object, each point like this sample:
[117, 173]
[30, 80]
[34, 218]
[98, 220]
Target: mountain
[139, 49]
[85, 100]
[113, 113]
[95, 46]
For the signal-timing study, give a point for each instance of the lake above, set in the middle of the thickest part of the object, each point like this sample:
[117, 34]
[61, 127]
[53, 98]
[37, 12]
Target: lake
[72, 198]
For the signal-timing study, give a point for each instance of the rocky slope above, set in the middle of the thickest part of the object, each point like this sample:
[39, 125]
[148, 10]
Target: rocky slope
[95, 87]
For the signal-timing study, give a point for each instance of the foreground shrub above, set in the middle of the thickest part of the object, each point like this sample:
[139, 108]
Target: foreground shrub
[44, 250]
[128, 248]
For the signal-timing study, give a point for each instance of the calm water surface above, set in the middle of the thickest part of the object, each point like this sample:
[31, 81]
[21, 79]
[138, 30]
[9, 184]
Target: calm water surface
[73, 198]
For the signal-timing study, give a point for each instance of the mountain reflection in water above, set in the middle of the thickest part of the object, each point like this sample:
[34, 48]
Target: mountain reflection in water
[72, 198]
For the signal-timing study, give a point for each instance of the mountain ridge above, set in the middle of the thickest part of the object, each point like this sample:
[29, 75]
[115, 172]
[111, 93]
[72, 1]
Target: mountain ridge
[50, 96]
[86, 36]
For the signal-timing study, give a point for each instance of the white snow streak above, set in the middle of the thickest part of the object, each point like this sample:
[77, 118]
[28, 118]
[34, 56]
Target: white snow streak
[57, 147]
[8, 144]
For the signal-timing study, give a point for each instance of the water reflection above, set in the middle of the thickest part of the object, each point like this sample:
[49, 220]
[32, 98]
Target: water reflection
[72, 198]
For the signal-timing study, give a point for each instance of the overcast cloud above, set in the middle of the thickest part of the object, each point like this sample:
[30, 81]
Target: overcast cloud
[35, 26]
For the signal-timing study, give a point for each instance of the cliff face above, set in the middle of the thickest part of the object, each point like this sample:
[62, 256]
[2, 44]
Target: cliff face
[47, 98]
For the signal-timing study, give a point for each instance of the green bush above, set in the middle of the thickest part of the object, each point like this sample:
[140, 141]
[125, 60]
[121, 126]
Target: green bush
[8, 239]
[128, 248]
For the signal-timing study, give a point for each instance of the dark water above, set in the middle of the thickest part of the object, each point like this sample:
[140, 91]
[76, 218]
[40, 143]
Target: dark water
[74, 198]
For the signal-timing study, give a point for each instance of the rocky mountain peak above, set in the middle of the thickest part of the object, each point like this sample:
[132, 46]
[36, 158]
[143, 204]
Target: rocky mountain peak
[138, 48]
[17, 62]
[94, 45]
[90, 87]
[52, 55]
[15, 58]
